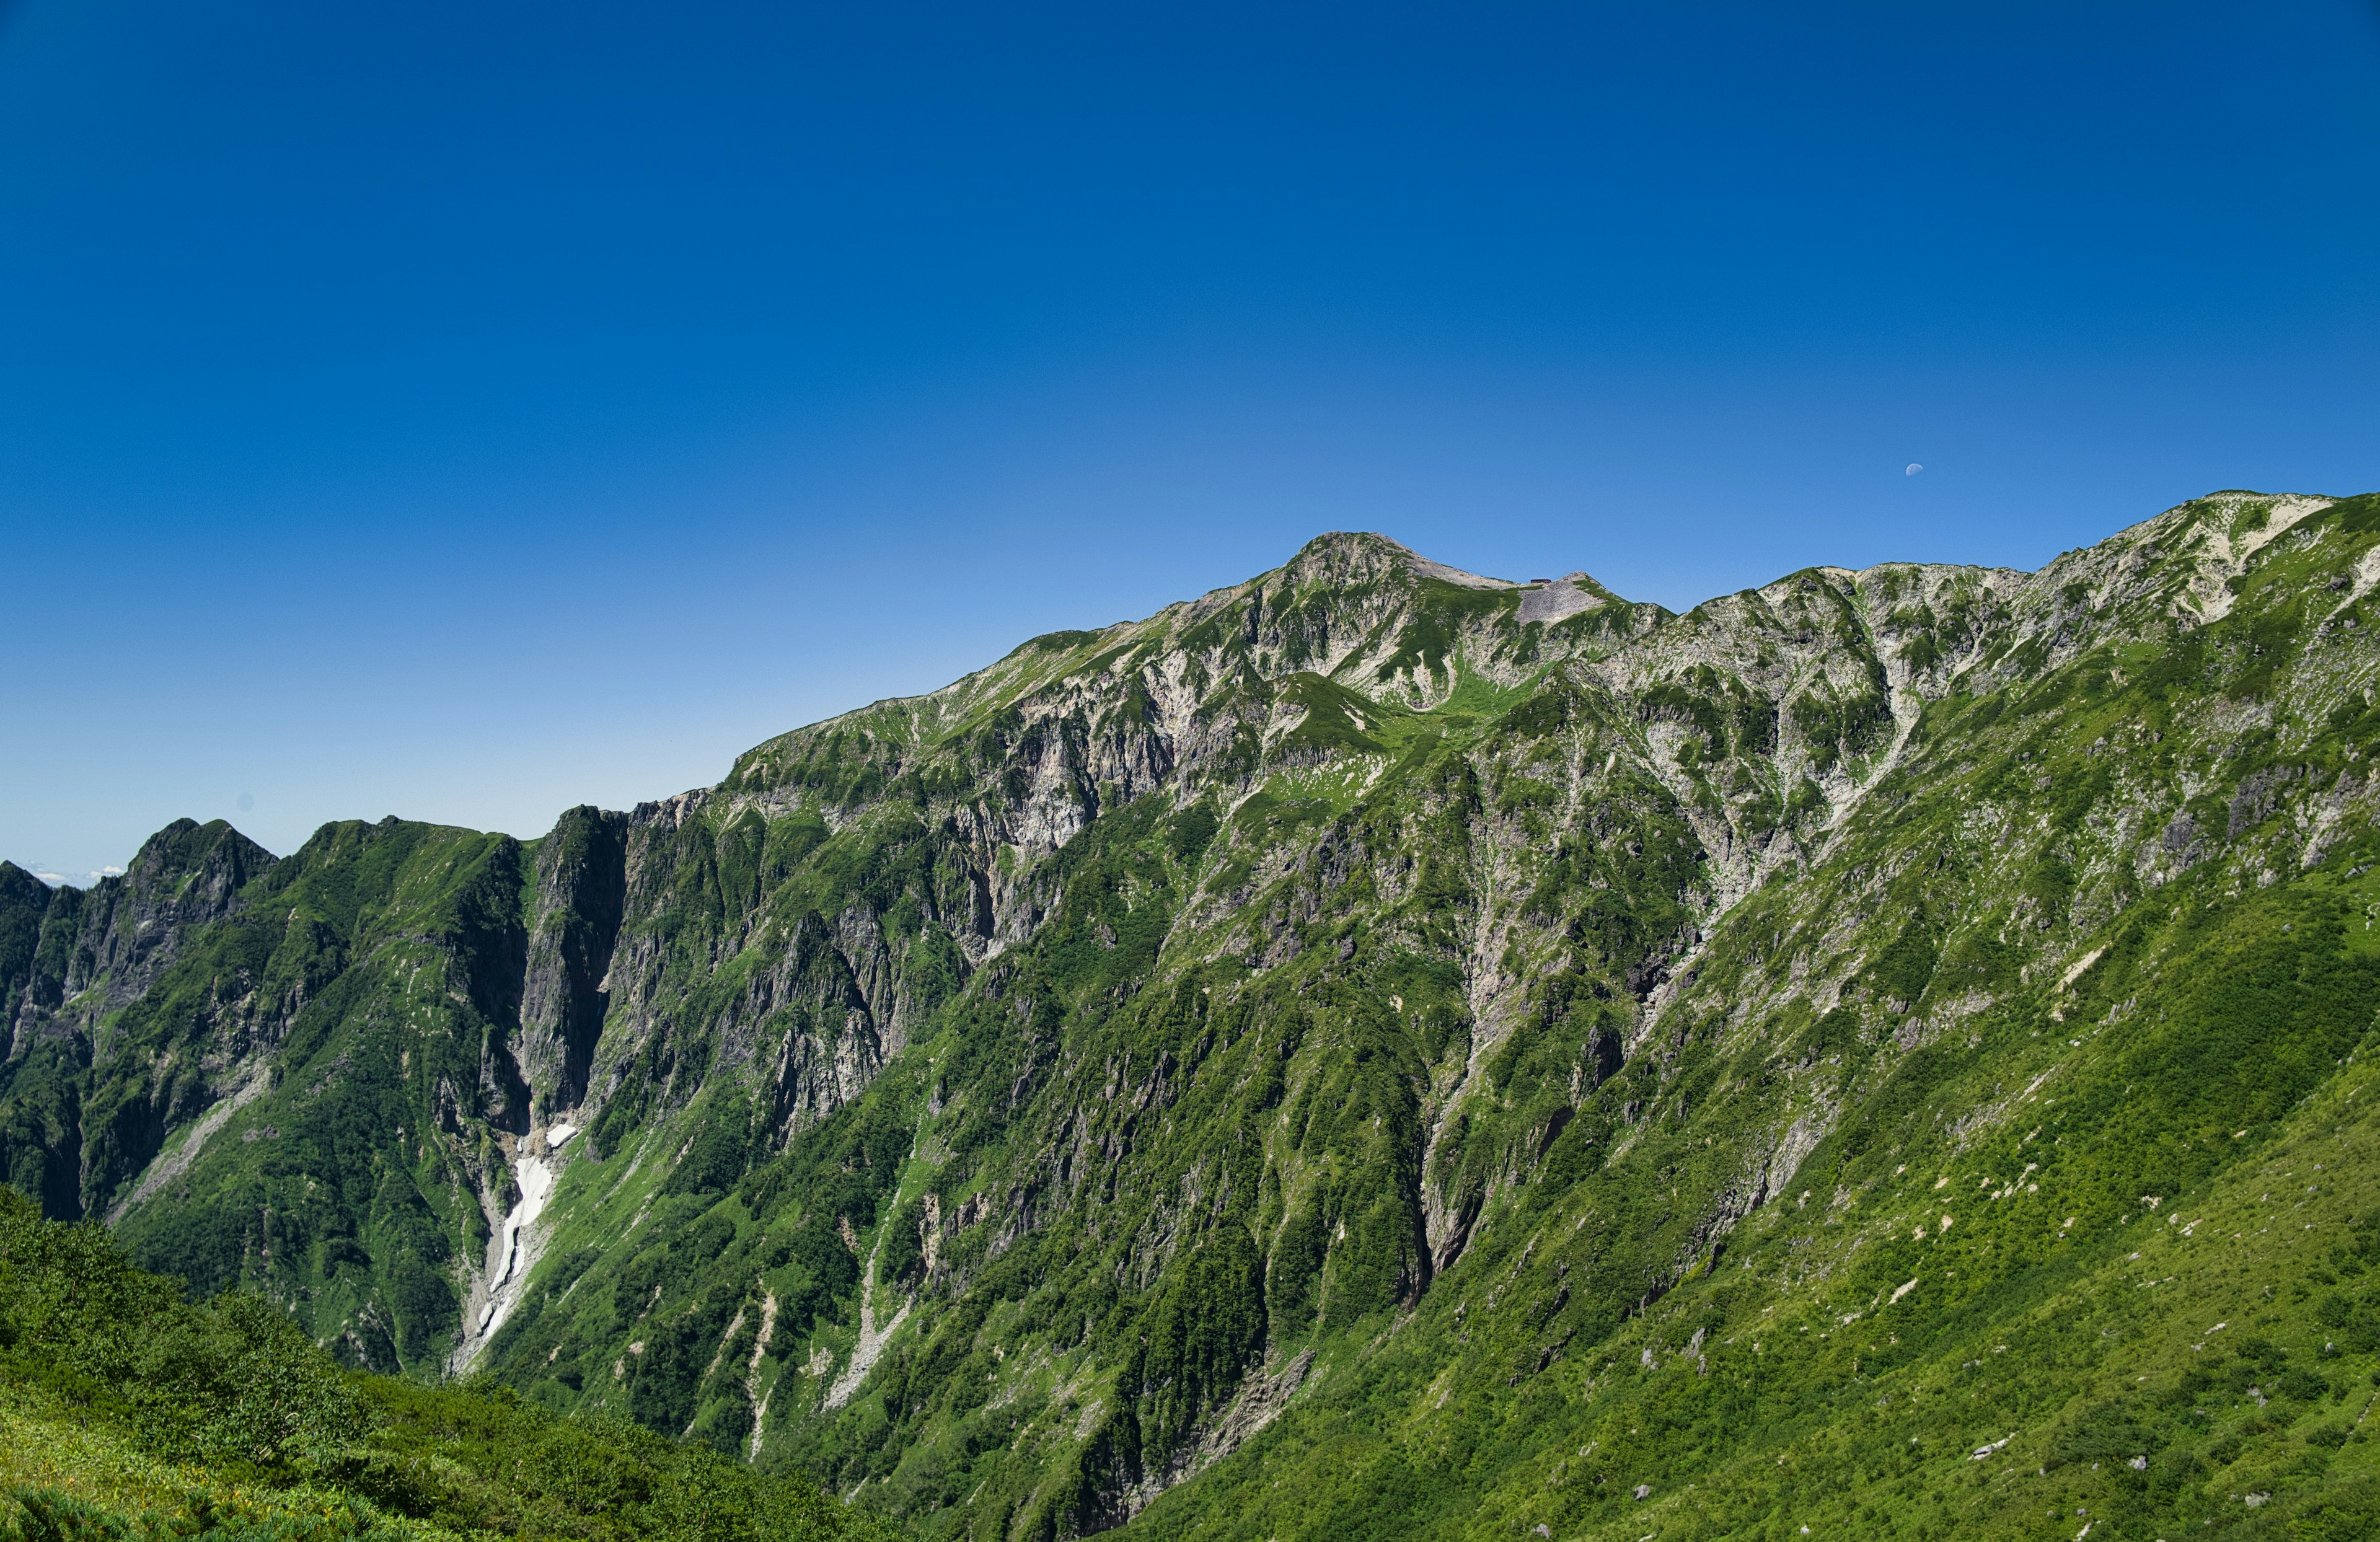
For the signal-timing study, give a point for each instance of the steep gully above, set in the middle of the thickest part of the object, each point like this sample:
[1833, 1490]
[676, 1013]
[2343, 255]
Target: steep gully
[517, 1245]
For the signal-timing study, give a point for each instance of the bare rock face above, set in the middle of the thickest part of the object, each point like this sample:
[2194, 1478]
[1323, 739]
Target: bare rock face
[24, 903]
[581, 893]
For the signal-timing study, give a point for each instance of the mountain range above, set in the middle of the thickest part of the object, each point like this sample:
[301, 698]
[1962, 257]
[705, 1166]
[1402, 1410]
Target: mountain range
[1374, 1051]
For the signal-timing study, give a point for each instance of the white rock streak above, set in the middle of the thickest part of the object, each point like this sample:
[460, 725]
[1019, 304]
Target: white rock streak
[873, 1340]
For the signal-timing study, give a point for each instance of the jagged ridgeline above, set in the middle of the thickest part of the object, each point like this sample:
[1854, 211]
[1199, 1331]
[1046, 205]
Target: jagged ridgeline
[1373, 1051]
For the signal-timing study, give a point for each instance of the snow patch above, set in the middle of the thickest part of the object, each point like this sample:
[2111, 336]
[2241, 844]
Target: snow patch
[511, 1253]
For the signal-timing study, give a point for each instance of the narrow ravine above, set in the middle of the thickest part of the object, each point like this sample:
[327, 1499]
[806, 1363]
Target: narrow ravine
[752, 1394]
[865, 1353]
[514, 1250]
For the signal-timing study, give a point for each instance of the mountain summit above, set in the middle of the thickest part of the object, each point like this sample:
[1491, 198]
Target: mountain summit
[1372, 1051]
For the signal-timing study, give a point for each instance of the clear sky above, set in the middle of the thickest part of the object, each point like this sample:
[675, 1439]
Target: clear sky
[467, 410]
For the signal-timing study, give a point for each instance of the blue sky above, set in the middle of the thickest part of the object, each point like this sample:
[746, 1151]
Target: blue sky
[464, 411]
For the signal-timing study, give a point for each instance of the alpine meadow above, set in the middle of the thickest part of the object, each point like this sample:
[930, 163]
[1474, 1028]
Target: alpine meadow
[1372, 1053]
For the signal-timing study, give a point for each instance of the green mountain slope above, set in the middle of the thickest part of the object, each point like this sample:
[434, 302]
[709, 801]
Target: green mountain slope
[1371, 1050]
[299, 1093]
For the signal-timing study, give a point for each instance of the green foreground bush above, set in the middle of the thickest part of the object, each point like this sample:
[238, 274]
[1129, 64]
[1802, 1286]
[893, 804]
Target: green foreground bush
[127, 1411]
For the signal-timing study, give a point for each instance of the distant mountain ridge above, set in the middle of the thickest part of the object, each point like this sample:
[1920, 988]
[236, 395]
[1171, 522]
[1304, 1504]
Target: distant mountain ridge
[1370, 1041]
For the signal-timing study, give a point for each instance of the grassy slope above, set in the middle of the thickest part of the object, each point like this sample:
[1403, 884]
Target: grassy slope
[1797, 1382]
[125, 1409]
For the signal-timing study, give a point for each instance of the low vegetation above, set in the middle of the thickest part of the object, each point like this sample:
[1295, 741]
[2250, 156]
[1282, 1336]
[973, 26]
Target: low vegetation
[127, 1411]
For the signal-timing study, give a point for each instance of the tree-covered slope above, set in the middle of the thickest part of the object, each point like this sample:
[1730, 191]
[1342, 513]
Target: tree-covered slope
[1371, 1050]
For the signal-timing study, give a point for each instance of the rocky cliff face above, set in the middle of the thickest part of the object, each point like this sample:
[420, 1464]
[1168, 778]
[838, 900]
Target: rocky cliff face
[581, 888]
[96, 952]
[91, 956]
[1368, 1020]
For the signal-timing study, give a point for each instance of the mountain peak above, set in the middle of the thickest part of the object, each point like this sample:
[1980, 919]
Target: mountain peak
[1343, 542]
[1366, 554]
